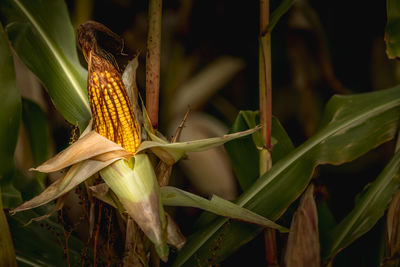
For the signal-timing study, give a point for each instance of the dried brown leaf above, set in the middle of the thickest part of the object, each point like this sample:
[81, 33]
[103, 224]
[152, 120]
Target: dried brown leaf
[303, 249]
[393, 232]
[76, 174]
[58, 206]
[121, 154]
[174, 234]
[102, 192]
[100, 189]
[163, 173]
[89, 146]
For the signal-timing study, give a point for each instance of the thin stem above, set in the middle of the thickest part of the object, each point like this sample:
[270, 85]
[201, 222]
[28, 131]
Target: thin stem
[270, 243]
[153, 60]
[265, 74]
[163, 170]
[266, 118]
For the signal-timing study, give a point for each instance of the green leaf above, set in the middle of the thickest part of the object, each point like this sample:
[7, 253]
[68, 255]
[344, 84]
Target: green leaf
[35, 122]
[244, 152]
[369, 208]
[352, 126]
[42, 244]
[172, 196]
[11, 197]
[392, 31]
[10, 111]
[23, 188]
[10, 115]
[42, 35]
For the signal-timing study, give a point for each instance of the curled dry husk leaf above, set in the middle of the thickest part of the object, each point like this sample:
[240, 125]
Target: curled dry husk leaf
[91, 153]
[58, 206]
[75, 175]
[129, 80]
[102, 192]
[91, 145]
[174, 234]
[303, 249]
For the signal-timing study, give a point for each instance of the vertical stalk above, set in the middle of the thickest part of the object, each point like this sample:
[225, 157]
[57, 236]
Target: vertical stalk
[266, 117]
[153, 60]
[271, 251]
[265, 73]
[265, 86]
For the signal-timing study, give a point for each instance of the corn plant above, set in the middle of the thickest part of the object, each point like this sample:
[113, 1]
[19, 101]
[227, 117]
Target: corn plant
[120, 164]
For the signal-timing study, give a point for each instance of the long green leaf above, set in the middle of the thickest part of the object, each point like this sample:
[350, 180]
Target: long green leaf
[243, 152]
[35, 123]
[42, 35]
[10, 115]
[10, 110]
[369, 208]
[172, 196]
[11, 197]
[352, 126]
[38, 131]
[172, 152]
[392, 31]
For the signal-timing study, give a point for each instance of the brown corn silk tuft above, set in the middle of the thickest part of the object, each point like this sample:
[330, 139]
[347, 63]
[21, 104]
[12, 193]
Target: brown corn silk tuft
[112, 111]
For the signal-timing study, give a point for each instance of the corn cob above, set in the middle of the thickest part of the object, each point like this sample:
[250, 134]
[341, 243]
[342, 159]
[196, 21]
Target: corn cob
[112, 111]
[111, 108]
